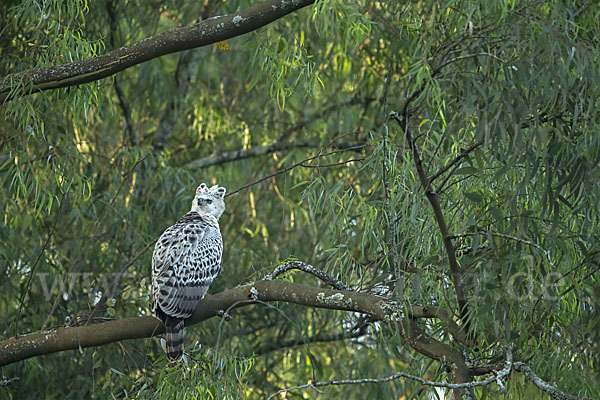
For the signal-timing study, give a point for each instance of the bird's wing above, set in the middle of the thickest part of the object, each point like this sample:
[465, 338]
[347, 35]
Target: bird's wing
[186, 260]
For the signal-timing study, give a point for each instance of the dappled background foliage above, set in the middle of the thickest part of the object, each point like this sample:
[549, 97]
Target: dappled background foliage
[501, 98]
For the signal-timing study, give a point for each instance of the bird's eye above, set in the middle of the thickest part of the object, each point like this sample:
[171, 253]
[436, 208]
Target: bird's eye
[208, 201]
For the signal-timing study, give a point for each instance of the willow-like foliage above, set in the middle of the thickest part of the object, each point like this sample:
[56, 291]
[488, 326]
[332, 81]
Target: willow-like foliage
[496, 104]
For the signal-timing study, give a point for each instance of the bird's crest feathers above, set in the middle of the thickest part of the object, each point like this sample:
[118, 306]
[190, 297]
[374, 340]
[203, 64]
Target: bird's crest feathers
[209, 201]
[216, 191]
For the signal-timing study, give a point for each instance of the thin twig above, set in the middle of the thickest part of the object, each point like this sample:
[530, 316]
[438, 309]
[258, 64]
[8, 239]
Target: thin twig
[35, 264]
[100, 220]
[6, 381]
[584, 278]
[391, 217]
[292, 323]
[469, 56]
[95, 236]
[106, 295]
[322, 275]
[359, 159]
[248, 153]
[553, 392]
[274, 346]
[434, 201]
[385, 167]
[456, 160]
[291, 167]
[494, 378]
[516, 239]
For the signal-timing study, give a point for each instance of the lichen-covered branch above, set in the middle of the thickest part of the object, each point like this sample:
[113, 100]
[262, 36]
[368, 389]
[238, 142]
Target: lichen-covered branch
[200, 34]
[302, 266]
[61, 339]
[80, 337]
[550, 390]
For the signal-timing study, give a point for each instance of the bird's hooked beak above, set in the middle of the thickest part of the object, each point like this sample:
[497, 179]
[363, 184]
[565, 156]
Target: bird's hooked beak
[203, 201]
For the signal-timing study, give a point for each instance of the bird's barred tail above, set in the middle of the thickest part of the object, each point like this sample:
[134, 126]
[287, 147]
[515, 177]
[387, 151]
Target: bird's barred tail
[174, 338]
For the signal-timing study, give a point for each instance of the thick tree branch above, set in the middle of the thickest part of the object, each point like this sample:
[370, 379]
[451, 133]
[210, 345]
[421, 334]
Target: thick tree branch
[61, 339]
[197, 35]
[450, 357]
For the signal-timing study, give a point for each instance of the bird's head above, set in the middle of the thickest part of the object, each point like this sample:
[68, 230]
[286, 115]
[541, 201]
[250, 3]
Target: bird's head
[209, 200]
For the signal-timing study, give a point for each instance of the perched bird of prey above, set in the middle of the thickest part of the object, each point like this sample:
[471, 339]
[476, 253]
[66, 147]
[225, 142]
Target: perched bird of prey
[186, 260]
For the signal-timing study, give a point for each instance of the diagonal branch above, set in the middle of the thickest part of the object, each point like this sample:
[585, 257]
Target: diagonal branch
[453, 162]
[203, 33]
[554, 393]
[129, 124]
[438, 214]
[251, 152]
[302, 163]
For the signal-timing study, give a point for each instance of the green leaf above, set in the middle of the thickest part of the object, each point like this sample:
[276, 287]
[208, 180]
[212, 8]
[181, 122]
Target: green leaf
[465, 171]
[474, 196]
